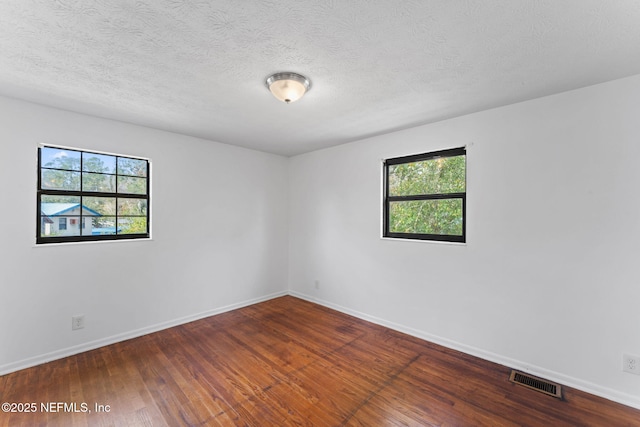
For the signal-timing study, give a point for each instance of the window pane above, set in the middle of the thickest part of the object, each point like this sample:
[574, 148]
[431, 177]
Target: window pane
[132, 225]
[99, 206]
[103, 225]
[60, 180]
[132, 207]
[131, 185]
[132, 167]
[59, 226]
[56, 213]
[435, 176]
[59, 158]
[101, 163]
[443, 217]
[98, 182]
[68, 226]
[46, 226]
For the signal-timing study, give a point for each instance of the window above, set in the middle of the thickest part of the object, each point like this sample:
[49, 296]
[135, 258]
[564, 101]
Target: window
[89, 196]
[425, 196]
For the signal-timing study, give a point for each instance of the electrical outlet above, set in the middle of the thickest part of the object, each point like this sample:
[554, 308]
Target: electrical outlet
[77, 322]
[631, 364]
[317, 283]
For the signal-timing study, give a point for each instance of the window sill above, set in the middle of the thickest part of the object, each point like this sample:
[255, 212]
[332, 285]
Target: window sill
[90, 242]
[438, 242]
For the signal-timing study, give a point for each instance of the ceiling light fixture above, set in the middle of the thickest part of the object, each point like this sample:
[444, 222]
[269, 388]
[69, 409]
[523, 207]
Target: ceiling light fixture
[288, 87]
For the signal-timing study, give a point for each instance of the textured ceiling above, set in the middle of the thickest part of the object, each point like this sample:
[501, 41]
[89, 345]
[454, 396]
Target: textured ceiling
[197, 67]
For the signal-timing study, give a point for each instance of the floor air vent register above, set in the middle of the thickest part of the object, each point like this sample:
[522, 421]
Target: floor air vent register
[535, 383]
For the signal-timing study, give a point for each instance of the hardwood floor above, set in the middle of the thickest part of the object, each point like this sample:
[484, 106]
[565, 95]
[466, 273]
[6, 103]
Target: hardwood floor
[287, 362]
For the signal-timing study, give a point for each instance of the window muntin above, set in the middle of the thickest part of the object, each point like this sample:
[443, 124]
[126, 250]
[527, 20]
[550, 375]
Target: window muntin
[89, 196]
[425, 196]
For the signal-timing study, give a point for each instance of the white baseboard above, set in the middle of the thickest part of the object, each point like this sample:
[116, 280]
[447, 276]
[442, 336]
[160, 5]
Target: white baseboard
[606, 393]
[91, 345]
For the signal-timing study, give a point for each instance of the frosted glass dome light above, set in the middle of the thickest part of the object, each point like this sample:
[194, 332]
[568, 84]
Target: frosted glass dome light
[288, 87]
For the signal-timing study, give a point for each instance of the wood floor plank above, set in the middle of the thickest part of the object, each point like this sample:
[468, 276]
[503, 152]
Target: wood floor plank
[289, 362]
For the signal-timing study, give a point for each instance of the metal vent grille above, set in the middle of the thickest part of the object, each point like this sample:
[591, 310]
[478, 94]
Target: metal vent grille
[537, 384]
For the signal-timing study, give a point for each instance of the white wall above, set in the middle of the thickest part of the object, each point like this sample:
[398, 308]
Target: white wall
[548, 280]
[127, 288]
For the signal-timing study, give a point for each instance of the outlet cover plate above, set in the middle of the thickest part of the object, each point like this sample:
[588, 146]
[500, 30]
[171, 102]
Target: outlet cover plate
[631, 364]
[77, 322]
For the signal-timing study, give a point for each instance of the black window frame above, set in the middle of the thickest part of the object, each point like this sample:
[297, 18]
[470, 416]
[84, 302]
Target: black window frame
[387, 199]
[80, 193]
